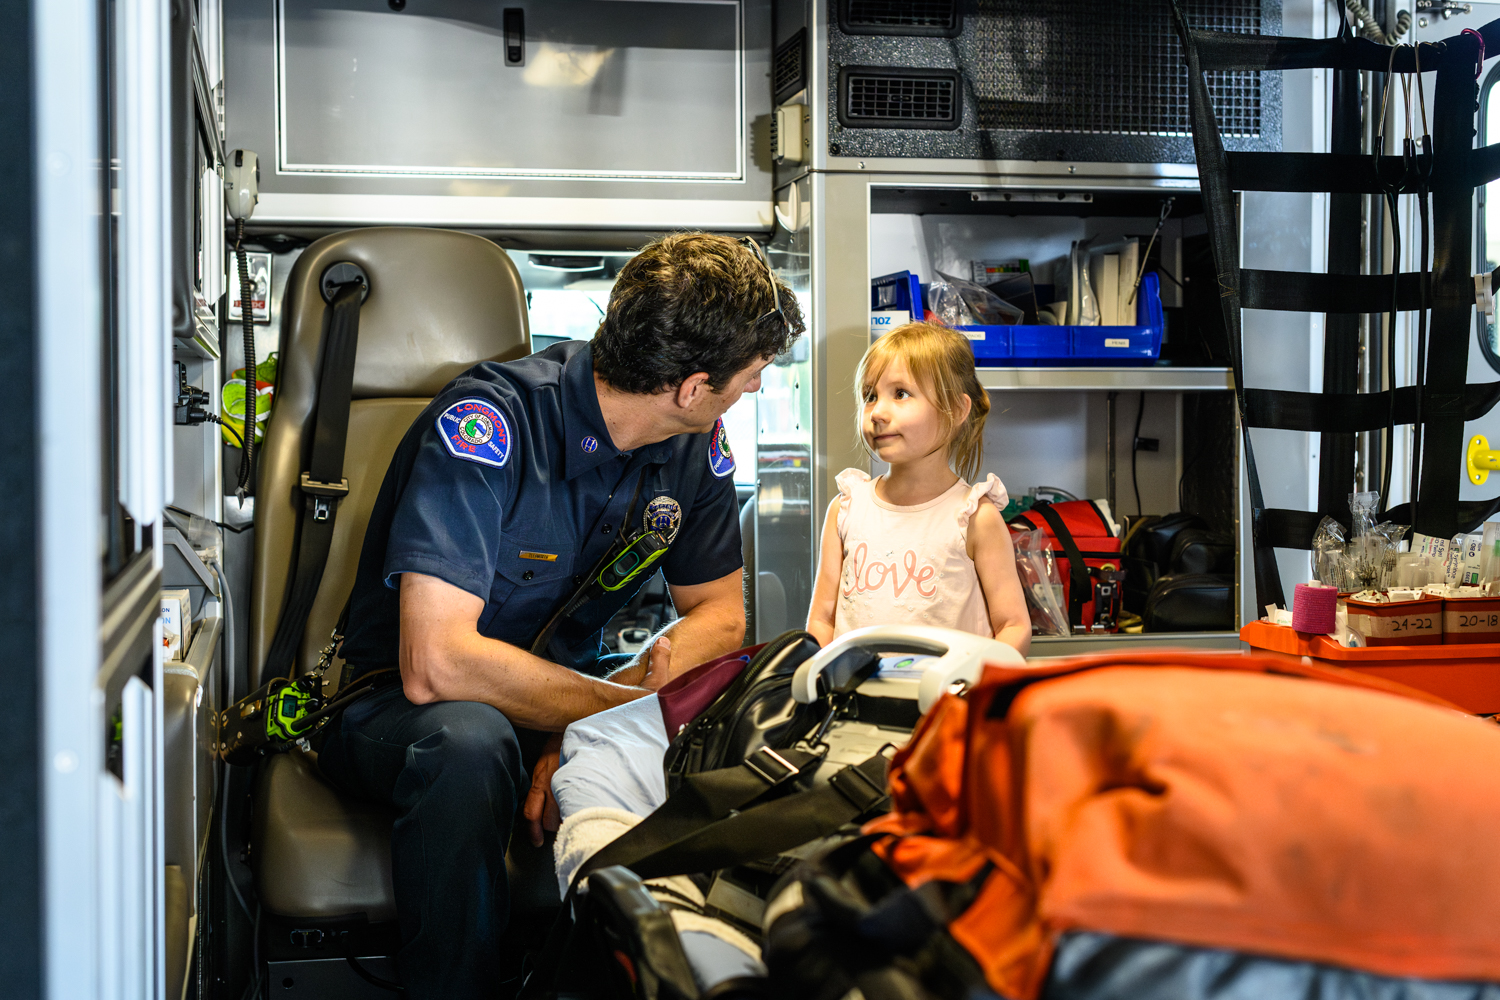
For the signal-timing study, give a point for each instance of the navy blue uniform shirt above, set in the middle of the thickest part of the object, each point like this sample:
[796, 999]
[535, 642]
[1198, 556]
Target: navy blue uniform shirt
[507, 487]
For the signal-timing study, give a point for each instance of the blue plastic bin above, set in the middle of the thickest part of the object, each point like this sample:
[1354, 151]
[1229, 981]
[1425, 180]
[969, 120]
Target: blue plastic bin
[1075, 346]
[901, 290]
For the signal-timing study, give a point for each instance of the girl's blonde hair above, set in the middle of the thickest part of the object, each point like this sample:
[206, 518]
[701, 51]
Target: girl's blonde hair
[942, 362]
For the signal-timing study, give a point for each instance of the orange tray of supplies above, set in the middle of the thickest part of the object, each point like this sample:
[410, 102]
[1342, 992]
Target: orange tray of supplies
[1467, 675]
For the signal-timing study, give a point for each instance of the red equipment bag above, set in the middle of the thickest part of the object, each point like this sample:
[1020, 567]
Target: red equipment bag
[1088, 555]
[1250, 803]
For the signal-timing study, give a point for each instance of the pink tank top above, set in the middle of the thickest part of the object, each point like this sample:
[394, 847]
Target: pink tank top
[910, 565]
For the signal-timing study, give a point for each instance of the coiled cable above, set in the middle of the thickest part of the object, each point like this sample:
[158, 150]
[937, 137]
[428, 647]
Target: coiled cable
[1370, 28]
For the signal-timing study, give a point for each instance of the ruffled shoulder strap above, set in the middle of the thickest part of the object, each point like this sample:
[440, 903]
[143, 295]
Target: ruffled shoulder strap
[849, 482]
[991, 489]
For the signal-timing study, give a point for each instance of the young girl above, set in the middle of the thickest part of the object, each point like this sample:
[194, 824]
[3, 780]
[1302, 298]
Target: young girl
[919, 545]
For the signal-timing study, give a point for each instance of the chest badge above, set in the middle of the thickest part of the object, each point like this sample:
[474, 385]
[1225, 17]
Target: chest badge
[589, 444]
[720, 458]
[664, 515]
[475, 430]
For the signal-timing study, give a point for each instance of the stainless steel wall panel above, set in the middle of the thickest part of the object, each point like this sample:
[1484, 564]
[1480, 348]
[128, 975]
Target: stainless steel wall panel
[627, 114]
[609, 89]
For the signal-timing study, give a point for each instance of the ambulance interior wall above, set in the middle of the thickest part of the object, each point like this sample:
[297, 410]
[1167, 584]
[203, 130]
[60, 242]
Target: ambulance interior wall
[1055, 438]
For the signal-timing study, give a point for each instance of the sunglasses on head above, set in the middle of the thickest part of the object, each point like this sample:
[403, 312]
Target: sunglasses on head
[760, 255]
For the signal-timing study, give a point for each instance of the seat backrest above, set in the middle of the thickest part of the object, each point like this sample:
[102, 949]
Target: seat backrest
[439, 303]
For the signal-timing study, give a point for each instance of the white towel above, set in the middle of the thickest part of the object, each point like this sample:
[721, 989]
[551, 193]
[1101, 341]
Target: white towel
[582, 834]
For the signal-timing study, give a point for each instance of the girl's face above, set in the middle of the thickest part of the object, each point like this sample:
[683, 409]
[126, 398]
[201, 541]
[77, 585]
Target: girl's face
[900, 422]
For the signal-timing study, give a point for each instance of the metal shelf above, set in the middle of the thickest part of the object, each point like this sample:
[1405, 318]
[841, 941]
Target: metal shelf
[1107, 379]
[1043, 646]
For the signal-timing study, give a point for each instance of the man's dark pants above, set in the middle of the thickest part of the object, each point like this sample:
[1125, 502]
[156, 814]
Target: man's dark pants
[455, 774]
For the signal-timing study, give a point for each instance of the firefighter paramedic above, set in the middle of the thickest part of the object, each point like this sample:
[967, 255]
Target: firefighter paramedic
[524, 507]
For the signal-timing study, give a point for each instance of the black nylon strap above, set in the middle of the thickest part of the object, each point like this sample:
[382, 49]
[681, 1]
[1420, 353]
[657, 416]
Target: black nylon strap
[1278, 528]
[330, 432]
[1471, 514]
[1347, 173]
[1336, 454]
[1079, 587]
[1221, 210]
[1356, 411]
[1222, 50]
[685, 835]
[1302, 291]
[1452, 286]
[701, 799]
[1484, 165]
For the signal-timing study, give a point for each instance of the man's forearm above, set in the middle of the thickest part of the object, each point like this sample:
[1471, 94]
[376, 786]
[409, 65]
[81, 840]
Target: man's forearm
[529, 691]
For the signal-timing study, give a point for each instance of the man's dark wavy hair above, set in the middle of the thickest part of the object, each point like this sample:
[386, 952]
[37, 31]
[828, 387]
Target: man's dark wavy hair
[688, 303]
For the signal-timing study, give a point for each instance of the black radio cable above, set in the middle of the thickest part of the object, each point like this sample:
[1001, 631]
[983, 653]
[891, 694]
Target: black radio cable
[1135, 447]
[247, 324]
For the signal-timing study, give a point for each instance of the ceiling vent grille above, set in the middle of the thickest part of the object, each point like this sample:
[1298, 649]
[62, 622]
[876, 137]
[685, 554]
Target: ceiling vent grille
[940, 18]
[789, 67]
[883, 97]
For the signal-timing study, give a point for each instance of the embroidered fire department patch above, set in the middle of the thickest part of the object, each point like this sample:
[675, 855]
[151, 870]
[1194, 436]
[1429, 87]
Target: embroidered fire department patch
[720, 458]
[475, 430]
[663, 514]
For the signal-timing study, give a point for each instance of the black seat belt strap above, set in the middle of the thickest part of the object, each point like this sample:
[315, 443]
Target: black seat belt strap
[672, 842]
[323, 485]
[1223, 228]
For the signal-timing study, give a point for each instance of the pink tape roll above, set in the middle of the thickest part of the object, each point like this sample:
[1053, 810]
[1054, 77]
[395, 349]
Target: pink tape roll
[1315, 609]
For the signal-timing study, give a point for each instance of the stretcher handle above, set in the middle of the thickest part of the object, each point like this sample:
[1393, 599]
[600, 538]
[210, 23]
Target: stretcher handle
[962, 657]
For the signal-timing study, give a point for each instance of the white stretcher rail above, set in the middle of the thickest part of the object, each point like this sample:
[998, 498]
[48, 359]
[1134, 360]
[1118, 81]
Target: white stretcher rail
[962, 656]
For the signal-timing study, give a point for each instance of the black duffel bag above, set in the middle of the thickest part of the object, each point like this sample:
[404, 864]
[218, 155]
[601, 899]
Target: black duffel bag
[1197, 550]
[1191, 602]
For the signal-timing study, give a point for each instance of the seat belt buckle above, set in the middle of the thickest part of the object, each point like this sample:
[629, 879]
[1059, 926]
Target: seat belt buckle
[323, 495]
[771, 766]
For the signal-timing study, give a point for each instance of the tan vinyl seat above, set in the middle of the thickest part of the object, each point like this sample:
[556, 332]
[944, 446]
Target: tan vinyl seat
[439, 302]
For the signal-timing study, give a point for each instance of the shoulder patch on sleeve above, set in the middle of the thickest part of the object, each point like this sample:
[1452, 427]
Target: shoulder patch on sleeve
[720, 458]
[475, 430]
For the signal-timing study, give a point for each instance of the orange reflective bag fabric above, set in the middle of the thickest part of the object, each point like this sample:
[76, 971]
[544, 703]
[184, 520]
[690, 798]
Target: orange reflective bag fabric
[1210, 800]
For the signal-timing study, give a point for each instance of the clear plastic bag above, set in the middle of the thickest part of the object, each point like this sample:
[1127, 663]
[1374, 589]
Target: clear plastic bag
[1417, 570]
[1489, 567]
[947, 304]
[1362, 507]
[1083, 303]
[1042, 582]
[1328, 553]
[987, 308]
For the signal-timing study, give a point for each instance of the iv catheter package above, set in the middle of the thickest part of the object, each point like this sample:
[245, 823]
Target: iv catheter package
[668, 846]
[1161, 825]
[1042, 582]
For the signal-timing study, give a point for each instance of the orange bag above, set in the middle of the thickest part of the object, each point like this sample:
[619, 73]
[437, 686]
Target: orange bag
[1202, 799]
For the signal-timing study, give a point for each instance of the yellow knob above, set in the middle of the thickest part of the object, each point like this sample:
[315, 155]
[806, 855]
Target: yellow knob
[1481, 459]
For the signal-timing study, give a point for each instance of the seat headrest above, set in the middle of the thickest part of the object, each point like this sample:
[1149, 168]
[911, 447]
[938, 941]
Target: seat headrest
[439, 303]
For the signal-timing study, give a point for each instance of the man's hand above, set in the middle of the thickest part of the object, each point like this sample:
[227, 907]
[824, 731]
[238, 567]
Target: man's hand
[541, 808]
[658, 665]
